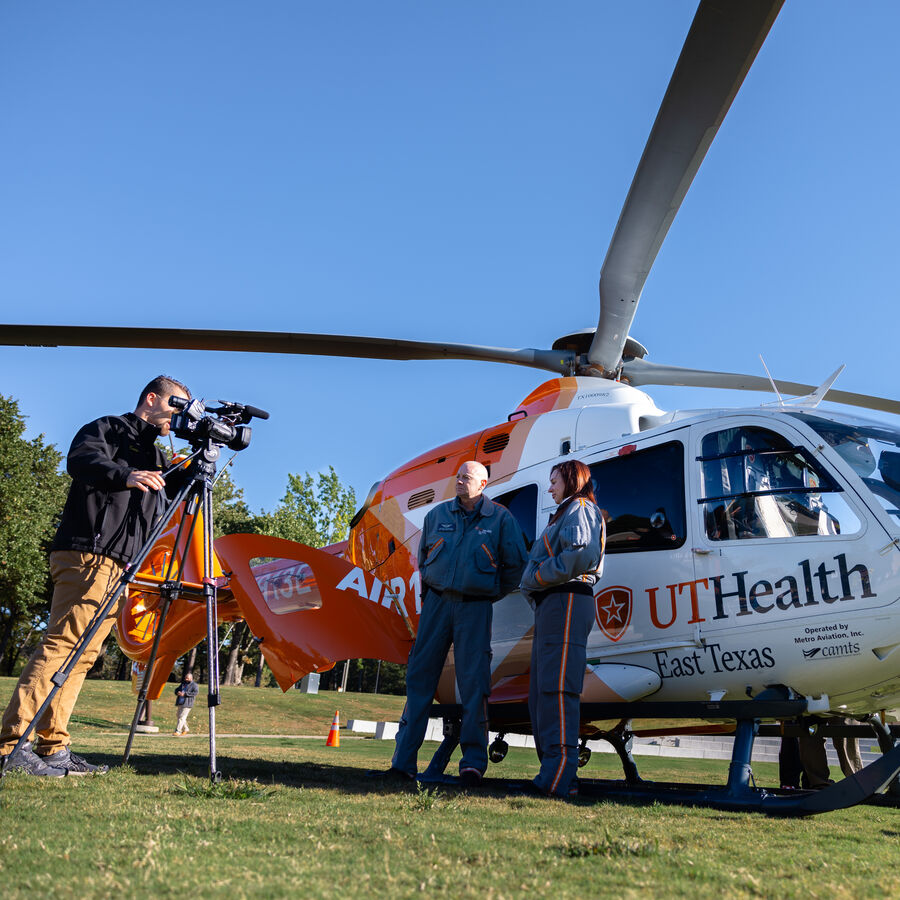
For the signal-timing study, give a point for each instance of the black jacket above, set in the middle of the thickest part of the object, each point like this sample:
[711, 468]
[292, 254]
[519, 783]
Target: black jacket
[102, 515]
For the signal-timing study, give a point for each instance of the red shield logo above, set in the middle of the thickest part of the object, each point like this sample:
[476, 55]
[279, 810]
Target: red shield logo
[613, 611]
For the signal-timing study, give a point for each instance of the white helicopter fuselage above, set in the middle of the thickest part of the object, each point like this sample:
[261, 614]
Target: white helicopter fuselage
[744, 551]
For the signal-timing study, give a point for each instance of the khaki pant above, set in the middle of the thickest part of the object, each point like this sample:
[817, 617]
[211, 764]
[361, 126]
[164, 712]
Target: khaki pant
[81, 581]
[183, 713]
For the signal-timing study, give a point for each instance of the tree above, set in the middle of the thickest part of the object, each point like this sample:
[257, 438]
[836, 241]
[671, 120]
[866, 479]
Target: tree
[231, 515]
[363, 676]
[315, 513]
[241, 641]
[32, 494]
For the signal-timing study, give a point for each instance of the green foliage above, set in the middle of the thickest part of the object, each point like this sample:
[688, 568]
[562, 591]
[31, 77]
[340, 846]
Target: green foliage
[232, 789]
[32, 494]
[364, 676]
[314, 512]
[610, 846]
[231, 514]
[427, 799]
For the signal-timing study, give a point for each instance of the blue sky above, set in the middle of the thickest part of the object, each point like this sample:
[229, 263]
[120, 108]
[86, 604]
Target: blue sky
[430, 171]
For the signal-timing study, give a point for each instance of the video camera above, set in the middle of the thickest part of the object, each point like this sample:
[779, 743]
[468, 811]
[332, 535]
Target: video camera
[225, 424]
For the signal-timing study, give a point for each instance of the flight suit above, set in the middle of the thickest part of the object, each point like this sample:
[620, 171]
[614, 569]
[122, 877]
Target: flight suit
[565, 563]
[467, 561]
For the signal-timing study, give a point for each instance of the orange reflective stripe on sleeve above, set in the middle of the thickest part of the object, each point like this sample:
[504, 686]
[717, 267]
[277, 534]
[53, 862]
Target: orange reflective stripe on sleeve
[434, 547]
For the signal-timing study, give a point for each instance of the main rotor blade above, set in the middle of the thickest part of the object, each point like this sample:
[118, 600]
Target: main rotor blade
[720, 48]
[641, 372]
[558, 361]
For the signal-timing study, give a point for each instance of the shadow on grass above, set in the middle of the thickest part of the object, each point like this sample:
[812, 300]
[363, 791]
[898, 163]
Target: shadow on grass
[94, 722]
[345, 779]
[353, 779]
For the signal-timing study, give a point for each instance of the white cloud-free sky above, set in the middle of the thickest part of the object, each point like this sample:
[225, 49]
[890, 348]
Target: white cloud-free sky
[427, 171]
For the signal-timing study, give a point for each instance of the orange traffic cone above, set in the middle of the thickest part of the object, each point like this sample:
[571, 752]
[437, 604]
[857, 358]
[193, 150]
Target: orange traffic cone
[334, 736]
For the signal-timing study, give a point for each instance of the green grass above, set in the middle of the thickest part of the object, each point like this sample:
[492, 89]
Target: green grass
[109, 706]
[293, 817]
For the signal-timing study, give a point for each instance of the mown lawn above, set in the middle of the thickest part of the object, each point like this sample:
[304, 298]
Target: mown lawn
[296, 818]
[109, 706]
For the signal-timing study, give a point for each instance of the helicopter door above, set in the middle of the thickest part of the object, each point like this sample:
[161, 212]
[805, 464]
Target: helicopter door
[641, 490]
[778, 545]
[513, 617]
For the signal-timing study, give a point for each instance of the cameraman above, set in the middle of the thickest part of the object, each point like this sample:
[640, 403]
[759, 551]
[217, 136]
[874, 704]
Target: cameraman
[116, 493]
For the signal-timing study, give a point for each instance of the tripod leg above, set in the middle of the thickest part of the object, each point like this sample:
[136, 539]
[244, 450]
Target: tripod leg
[212, 630]
[83, 642]
[169, 592]
[148, 674]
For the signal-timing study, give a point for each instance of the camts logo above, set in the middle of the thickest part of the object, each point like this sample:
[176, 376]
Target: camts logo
[613, 612]
[831, 651]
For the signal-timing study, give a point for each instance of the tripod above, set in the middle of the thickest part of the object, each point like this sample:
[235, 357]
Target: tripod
[196, 493]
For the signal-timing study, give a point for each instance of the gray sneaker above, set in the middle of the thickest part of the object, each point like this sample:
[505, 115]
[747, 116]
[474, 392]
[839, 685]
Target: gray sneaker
[27, 761]
[75, 765]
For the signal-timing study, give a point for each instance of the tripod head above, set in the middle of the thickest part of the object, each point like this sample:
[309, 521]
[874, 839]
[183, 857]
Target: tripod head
[225, 425]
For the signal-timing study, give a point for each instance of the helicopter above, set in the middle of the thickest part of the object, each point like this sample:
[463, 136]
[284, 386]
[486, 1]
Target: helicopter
[752, 554]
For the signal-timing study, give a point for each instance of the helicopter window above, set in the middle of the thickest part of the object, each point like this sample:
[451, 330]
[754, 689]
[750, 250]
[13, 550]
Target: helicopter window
[522, 503]
[872, 450]
[286, 585]
[642, 498]
[758, 485]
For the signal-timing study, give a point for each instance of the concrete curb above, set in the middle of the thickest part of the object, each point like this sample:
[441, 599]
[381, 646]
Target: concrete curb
[683, 747]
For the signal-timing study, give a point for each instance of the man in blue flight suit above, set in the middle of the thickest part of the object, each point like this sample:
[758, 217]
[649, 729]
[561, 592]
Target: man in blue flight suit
[471, 554]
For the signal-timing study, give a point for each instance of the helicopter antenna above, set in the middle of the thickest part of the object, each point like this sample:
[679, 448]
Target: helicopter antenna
[818, 395]
[224, 468]
[771, 380]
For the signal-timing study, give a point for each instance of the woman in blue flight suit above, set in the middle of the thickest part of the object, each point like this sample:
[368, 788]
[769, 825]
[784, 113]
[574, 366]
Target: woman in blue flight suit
[565, 563]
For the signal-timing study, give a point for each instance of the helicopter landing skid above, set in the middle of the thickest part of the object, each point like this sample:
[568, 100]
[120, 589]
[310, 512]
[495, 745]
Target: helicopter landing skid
[621, 738]
[739, 793]
[863, 787]
[736, 796]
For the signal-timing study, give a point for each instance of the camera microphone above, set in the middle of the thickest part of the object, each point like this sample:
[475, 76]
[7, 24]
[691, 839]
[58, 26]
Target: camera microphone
[245, 410]
[256, 412]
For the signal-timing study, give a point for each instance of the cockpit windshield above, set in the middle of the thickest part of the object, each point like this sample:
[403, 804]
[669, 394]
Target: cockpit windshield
[871, 449]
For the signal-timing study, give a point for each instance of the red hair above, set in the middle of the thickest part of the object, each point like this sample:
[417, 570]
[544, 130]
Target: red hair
[576, 479]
